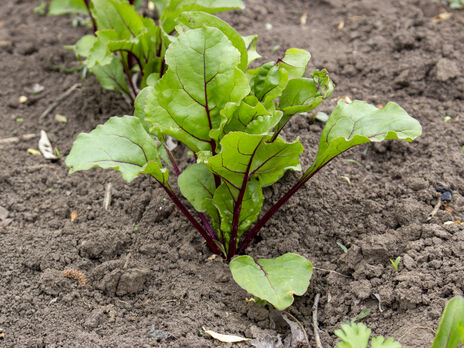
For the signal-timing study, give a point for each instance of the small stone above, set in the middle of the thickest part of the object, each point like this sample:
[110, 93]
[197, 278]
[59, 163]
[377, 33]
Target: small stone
[362, 289]
[22, 99]
[446, 69]
[132, 281]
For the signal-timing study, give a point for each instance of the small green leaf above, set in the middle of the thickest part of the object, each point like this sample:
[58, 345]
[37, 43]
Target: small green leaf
[450, 332]
[381, 342]
[267, 83]
[295, 62]
[353, 335]
[41, 8]
[122, 144]
[176, 7]
[111, 76]
[274, 280]
[251, 42]
[60, 7]
[359, 123]
[344, 248]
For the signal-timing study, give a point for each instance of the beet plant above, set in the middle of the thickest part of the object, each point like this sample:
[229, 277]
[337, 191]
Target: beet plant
[231, 118]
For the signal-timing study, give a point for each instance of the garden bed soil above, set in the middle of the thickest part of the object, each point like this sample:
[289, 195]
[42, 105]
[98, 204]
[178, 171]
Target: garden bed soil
[151, 281]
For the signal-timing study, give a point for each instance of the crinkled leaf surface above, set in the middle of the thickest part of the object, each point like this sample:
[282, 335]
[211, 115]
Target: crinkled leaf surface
[247, 154]
[305, 94]
[451, 329]
[274, 280]
[119, 16]
[252, 117]
[267, 82]
[359, 123]
[202, 78]
[176, 7]
[196, 19]
[122, 144]
[224, 199]
[60, 7]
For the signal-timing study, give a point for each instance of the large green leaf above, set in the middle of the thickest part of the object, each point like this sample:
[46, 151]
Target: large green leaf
[247, 154]
[197, 185]
[196, 19]
[359, 123]
[202, 78]
[119, 16]
[451, 329]
[224, 200]
[176, 7]
[274, 280]
[122, 144]
[59, 7]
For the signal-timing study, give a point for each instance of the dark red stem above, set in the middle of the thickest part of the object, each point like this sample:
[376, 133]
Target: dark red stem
[94, 24]
[173, 162]
[238, 206]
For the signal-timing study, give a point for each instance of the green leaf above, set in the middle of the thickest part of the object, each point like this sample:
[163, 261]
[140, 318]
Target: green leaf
[268, 82]
[121, 144]
[381, 342]
[357, 336]
[247, 154]
[305, 94]
[118, 16]
[60, 7]
[83, 47]
[197, 185]
[224, 199]
[195, 19]
[450, 332]
[111, 76]
[251, 42]
[252, 117]
[176, 7]
[202, 78]
[359, 123]
[353, 335]
[295, 62]
[274, 280]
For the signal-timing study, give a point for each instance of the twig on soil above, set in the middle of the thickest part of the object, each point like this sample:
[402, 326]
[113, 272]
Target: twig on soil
[17, 139]
[435, 210]
[107, 199]
[315, 325]
[330, 271]
[76, 275]
[59, 100]
[299, 324]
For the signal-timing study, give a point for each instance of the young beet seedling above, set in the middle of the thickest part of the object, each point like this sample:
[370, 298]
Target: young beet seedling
[231, 118]
[127, 50]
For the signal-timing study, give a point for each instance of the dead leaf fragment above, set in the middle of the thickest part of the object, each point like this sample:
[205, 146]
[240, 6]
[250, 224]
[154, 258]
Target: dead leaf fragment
[60, 118]
[346, 99]
[226, 338]
[46, 147]
[442, 16]
[212, 257]
[34, 152]
[22, 99]
[2, 336]
[74, 215]
[347, 179]
[341, 25]
[304, 18]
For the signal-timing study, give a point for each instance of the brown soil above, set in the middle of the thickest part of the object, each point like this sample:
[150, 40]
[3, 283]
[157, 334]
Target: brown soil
[158, 276]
